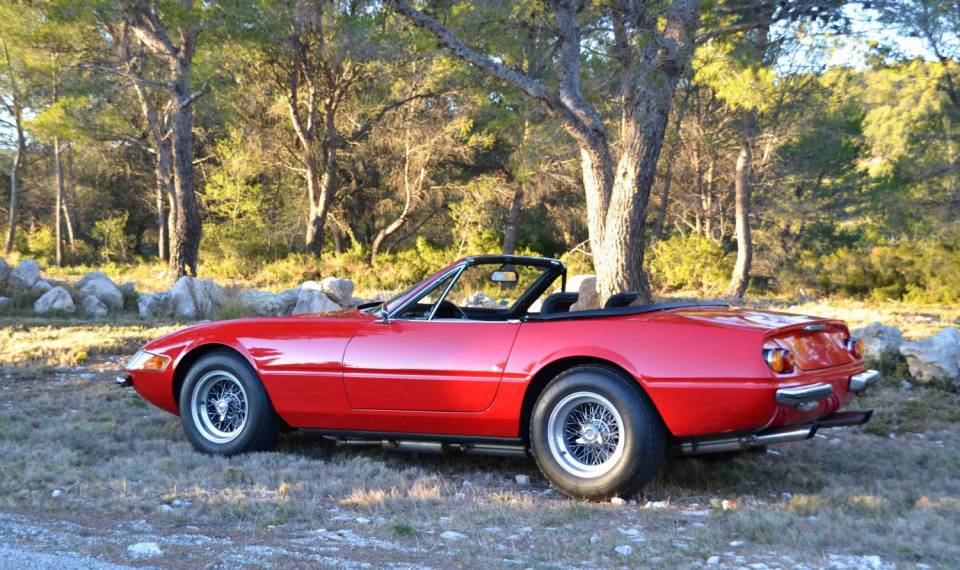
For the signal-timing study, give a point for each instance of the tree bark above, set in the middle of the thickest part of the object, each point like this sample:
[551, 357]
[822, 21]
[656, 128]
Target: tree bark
[513, 221]
[741, 269]
[58, 190]
[186, 243]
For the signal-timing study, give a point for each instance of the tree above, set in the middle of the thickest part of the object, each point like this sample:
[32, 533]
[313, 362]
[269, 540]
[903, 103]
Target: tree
[12, 99]
[172, 40]
[649, 60]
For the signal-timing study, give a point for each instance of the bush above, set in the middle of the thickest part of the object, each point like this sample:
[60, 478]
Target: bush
[690, 262]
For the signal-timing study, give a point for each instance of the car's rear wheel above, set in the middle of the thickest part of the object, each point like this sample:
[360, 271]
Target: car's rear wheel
[595, 435]
[224, 408]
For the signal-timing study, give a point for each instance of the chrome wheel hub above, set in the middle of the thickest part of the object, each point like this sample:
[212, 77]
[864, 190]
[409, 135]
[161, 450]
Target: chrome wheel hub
[218, 407]
[585, 434]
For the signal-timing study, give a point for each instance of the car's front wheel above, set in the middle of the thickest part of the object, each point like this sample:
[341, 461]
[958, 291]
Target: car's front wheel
[595, 435]
[224, 408]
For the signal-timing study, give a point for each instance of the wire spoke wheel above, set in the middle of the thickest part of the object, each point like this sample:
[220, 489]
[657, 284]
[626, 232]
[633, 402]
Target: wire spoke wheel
[219, 407]
[585, 434]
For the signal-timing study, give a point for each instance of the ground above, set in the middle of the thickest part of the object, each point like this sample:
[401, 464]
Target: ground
[92, 476]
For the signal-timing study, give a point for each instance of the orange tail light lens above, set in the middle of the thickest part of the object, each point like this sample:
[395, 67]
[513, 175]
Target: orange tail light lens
[855, 347]
[778, 359]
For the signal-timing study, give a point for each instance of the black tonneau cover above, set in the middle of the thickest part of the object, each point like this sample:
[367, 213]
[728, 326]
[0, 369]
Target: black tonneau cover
[619, 311]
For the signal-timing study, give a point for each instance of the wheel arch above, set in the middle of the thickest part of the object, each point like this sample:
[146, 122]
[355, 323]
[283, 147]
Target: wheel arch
[195, 353]
[546, 373]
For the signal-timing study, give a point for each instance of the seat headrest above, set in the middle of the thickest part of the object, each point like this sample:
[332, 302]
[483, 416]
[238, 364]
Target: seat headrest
[621, 300]
[558, 303]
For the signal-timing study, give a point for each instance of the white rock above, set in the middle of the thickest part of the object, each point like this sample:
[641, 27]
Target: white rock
[618, 501]
[480, 300]
[586, 288]
[144, 549]
[493, 530]
[624, 550]
[93, 307]
[56, 300]
[164, 508]
[313, 301]
[4, 303]
[262, 303]
[595, 539]
[526, 530]
[192, 298]
[23, 276]
[56, 494]
[156, 305]
[736, 543]
[40, 287]
[878, 340]
[936, 357]
[713, 560]
[289, 297]
[340, 291]
[362, 520]
[522, 479]
[452, 536]
[103, 288]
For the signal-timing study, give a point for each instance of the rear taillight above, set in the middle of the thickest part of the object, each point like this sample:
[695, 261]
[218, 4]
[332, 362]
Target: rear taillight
[854, 346]
[778, 359]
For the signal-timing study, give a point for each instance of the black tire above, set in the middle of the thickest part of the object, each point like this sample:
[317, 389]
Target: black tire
[644, 437]
[261, 426]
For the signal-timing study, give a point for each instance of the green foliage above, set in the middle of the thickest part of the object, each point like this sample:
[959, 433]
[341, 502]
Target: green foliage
[690, 263]
[926, 271]
[113, 241]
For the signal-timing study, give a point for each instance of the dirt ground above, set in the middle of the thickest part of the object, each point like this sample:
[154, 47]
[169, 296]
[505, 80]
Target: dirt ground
[93, 477]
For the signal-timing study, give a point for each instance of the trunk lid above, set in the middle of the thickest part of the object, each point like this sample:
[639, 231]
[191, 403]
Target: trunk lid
[814, 342]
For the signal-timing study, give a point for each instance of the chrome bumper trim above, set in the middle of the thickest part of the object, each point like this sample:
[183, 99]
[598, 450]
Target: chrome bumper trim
[862, 381]
[802, 394]
[722, 444]
[124, 381]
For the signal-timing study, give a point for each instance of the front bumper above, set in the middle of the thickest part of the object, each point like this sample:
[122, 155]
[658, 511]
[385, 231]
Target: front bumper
[124, 380]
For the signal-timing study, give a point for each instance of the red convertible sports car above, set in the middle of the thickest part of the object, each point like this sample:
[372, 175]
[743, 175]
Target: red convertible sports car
[483, 358]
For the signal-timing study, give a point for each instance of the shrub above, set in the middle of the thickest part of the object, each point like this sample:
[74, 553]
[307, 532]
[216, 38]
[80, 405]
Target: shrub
[690, 262]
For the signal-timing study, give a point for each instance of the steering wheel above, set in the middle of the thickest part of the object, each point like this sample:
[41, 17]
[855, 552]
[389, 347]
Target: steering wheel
[448, 310]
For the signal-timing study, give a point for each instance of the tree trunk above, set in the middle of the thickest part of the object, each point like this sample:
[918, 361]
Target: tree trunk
[14, 180]
[58, 179]
[165, 193]
[741, 269]
[513, 221]
[69, 202]
[186, 230]
[321, 191]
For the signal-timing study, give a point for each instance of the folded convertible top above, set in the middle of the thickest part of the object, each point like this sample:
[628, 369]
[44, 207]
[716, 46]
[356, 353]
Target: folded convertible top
[620, 311]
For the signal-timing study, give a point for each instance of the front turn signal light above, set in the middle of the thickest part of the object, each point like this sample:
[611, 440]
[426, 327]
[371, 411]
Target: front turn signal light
[144, 360]
[854, 346]
[778, 359]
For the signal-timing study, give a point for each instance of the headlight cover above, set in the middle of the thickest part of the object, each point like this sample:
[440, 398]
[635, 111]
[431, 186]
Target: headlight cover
[144, 360]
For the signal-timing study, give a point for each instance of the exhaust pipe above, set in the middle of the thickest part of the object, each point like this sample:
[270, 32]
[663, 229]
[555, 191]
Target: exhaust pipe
[723, 444]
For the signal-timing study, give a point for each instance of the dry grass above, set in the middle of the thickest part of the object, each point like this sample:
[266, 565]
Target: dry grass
[890, 489]
[30, 342]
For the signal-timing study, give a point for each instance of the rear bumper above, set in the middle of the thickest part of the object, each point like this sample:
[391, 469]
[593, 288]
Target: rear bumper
[726, 442]
[807, 396]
